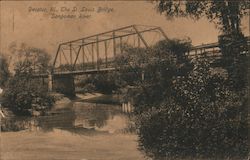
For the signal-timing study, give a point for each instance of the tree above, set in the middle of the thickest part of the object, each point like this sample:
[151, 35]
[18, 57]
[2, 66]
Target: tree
[226, 14]
[23, 93]
[4, 70]
[39, 58]
[159, 64]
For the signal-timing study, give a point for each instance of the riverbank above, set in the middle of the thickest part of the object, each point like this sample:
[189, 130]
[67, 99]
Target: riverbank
[63, 145]
[61, 101]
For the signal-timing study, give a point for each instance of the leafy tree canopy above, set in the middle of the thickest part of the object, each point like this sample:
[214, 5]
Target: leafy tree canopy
[226, 14]
[38, 58]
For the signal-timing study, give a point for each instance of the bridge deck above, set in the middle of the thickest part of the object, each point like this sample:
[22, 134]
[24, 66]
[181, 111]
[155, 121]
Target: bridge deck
[80, 72]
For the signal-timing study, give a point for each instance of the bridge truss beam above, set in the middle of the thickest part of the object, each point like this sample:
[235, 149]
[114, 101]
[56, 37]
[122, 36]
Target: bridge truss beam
[111, 43]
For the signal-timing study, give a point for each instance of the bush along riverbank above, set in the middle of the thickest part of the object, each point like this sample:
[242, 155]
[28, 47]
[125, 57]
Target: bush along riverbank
[38, 108]
[12, 121]
[27, 102]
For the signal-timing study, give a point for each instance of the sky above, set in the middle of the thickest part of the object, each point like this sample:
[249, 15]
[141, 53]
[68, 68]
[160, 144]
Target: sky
[27, 22]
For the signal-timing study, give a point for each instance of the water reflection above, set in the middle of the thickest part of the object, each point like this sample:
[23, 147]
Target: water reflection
[77, 117]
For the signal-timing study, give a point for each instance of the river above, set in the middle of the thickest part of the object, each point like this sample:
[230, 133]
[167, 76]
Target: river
[73, 131]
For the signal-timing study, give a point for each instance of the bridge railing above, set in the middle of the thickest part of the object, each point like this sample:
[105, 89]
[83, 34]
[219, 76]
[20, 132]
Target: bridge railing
[213, 50]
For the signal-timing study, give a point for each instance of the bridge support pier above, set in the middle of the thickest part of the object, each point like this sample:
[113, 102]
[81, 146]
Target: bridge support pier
[64, 84]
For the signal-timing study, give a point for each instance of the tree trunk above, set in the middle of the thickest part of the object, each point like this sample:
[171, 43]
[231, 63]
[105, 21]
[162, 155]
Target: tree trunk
[224, 18]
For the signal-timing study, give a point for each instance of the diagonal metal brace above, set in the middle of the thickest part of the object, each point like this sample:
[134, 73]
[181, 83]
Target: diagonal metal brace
[140, 36]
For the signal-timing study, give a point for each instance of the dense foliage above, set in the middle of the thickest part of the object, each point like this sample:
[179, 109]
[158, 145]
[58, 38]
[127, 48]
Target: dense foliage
[197, 110]
[202, 118]
[184, 108]
[23, 94]
[106, 83]
[226, 14]
[152, 70]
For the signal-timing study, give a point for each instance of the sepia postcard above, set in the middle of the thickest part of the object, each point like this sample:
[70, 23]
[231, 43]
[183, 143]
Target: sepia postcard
[124, 80]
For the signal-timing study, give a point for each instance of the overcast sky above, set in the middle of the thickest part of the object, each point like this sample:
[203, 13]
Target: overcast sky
[38, 29]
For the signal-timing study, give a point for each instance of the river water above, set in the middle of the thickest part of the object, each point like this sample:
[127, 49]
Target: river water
[77, 130]
[76, 117]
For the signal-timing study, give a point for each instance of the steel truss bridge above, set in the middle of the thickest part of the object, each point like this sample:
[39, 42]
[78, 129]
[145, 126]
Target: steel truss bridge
[96, 53]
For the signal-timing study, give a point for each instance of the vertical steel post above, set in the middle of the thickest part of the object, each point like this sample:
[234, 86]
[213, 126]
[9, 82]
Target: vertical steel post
[134, 40]
[60, 58]
[121, 45]
[54, 63]
[92, 53]
[97, 52]
[106, 53]
[114, 44]
[139, 42]
[77, 55]
[70, 51]
[83, 54]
